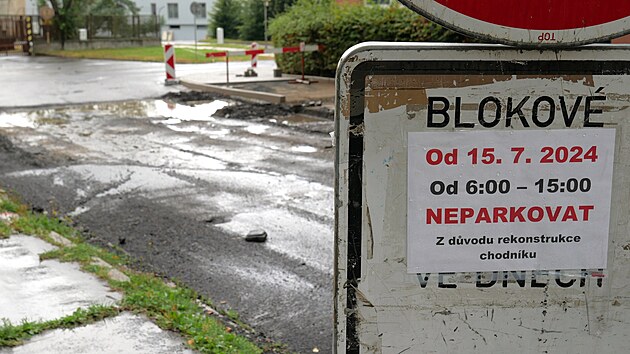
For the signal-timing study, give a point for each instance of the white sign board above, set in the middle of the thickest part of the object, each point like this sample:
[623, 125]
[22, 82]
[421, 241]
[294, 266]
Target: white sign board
[508, 200]
[482, 199]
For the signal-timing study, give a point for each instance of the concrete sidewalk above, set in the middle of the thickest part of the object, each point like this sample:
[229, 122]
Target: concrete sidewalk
[33, 290]
[264, 87]
[211, 46]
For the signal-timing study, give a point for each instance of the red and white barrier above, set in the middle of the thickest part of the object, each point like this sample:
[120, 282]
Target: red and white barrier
[302, 48]
[253, 52]
[169, 60]
[255, 56]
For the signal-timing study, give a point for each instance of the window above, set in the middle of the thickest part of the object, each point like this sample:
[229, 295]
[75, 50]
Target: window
[173, 11]
[202, 12]
[174, 27]
[153, 9]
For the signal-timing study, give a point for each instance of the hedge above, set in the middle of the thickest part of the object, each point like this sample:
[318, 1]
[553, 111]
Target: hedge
[339, 27]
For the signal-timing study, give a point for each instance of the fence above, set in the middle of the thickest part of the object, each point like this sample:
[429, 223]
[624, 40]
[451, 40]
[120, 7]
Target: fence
[14, 34]
[99, 27]
[104, 27]
[12, 27]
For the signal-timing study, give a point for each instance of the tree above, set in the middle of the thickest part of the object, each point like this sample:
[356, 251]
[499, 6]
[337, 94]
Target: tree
[112, 8]
[109, 16]
[68, 12]
[253, 20]
[226, 14]
[277, 7]
[253, 17]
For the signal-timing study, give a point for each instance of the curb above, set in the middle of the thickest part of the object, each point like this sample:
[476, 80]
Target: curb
[255, 95]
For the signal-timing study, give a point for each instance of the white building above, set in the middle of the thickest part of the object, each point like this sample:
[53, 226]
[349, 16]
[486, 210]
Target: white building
[18, 7]
[178, 17]
[177, 14]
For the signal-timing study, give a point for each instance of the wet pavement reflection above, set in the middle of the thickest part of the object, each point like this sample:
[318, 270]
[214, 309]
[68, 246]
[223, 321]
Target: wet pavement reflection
[124, 162]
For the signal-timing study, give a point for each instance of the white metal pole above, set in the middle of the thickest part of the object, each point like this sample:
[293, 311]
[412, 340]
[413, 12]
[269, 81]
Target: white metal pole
[266, 5]
[195, 30]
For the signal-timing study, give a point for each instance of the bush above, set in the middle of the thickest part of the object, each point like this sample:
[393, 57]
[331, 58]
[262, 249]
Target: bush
[339, 27]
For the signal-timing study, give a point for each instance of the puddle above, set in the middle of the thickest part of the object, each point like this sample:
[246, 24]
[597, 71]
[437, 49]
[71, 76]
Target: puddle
[32, 119]
[16, 120]
[256, 129]
[297, 119]
[177, 113]
[303, 148]
[199, 130]
[169, 113]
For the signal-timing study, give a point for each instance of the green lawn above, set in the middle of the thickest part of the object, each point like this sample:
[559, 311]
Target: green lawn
[154, 54]
[233, 43]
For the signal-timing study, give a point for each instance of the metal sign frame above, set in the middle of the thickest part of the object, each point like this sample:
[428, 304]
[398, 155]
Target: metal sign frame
[196, 9]
[547, 35]
[378, 306]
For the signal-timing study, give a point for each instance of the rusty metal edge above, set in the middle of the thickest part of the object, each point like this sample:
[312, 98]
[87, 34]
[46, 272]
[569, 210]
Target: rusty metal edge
[500, 40]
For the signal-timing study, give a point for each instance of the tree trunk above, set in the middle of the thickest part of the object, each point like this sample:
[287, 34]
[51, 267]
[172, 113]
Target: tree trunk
[63, 13]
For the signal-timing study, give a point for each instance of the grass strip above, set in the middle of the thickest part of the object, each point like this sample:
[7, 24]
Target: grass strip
[150, 54]
[5, 230]
[7, 205]
[171, 307]
[30, 223]
[13, 335]
[175, 309]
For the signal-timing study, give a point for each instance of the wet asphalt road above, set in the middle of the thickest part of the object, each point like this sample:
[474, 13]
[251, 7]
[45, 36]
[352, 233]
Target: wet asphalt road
[43, 81]
[177, 189]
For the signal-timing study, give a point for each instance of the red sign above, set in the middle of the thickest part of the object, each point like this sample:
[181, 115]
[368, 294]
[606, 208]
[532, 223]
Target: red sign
[530, 22]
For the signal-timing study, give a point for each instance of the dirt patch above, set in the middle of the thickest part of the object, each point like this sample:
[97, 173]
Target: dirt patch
[190, 97]
[244, 109]
[10, 155]
[322, 90]
[309, 116]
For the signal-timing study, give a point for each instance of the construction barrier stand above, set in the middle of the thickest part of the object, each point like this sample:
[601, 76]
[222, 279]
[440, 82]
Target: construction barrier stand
[169, 59]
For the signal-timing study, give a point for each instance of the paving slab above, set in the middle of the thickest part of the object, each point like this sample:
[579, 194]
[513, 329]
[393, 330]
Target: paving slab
[41, 291]
[126, 333]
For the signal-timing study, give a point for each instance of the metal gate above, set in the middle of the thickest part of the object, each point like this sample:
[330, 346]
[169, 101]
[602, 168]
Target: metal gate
[16, 34]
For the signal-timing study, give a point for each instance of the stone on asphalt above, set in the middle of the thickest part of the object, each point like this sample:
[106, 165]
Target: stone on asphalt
[256, 236]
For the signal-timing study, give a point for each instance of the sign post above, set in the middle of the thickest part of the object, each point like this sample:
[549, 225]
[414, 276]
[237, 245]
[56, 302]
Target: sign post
[482, 199]
[197, 10]
[169, 62]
